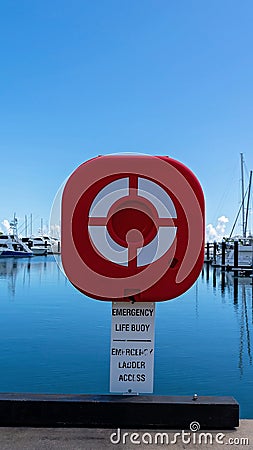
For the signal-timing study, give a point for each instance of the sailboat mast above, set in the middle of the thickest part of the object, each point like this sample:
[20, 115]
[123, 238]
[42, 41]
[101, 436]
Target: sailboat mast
[243, 206]
[248, 203]
[26, 233]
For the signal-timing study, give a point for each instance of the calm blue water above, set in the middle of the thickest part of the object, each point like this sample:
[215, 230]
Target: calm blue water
[54, 339]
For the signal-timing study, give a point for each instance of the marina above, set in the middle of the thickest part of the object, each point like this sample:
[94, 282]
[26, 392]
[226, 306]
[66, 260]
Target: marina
[56, 340]
[203, 341]
[231, 256]
[15, 245]
[235, 252]
[126, 229]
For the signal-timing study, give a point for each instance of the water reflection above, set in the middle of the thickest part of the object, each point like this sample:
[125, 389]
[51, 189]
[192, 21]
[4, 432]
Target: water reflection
[9, 271]
[19, 272]
[197, 300]
[214, 278]
[240, 289]
[24, 281]
[244, 331]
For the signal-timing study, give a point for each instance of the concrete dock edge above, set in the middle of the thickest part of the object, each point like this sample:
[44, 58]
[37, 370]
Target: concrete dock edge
[96, 439]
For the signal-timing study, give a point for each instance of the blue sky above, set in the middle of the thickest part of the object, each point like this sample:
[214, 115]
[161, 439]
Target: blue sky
[80, 78]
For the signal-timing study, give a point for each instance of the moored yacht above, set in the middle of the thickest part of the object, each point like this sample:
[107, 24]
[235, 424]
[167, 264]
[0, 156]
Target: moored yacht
[237, 252]
[42, 244]
[12, 246]
[245, 256]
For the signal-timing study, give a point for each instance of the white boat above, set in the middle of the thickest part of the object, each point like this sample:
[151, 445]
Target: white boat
[38, 251]
[42, 244]
[39, 246]
[12, 246]
[54, 244]
[245, 256]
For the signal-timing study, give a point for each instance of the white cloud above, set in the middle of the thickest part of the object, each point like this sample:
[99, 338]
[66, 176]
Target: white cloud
[6, 225]
[216, 233]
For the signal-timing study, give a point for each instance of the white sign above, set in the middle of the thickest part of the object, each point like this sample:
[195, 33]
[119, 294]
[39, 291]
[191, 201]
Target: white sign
[132, 347]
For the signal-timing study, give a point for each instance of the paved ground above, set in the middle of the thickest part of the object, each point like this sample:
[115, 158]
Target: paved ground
[93, 439]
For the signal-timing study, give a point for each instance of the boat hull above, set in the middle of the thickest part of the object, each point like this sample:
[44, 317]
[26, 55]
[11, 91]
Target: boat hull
[39, 251]
[15, 254]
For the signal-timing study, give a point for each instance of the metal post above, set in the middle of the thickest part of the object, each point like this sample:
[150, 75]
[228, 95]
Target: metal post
[223, 254]
[236, 244]
[214, 251]
[207, 251]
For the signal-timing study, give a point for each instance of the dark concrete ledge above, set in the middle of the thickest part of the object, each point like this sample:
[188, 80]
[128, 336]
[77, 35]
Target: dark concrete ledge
[113, 411]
